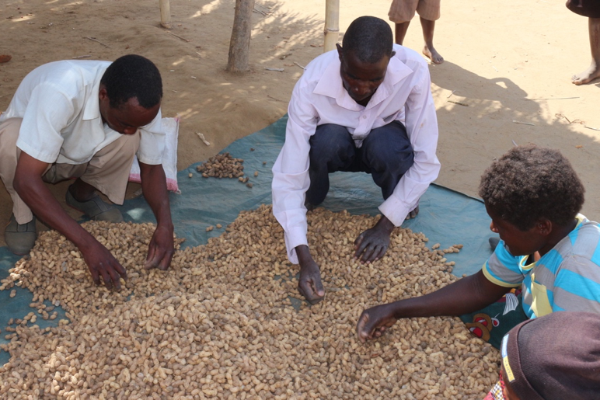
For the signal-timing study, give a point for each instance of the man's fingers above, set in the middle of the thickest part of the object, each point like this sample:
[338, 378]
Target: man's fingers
[368, 254]
[151, 261]
[310, 294]
[106, 278]
[120, 270]
[359, 240]
[165, 261]
[361, 247]
[318, 286]
[380, 253]
[95, 276]
[361, 330]
[115, 278]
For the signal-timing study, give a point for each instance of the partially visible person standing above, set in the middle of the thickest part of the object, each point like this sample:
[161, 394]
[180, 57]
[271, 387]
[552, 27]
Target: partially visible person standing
[590, 9]
[402, 11]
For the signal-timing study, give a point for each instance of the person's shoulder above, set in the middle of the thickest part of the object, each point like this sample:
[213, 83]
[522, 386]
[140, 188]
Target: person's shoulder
[410, 58]
[68, 66]
[67, 73]
[314, 70]
[584, 240]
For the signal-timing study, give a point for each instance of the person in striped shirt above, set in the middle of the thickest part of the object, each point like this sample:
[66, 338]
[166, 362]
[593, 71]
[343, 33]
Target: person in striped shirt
[547, 248]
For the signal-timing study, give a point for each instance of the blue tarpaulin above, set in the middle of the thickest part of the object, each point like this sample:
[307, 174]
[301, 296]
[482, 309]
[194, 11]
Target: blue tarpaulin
[446, 217]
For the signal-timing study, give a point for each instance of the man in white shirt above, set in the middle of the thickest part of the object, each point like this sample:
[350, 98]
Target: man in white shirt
[367, 107]
[85, 119]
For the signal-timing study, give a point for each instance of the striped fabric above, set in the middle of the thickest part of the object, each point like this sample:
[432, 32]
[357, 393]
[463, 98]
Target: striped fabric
[567, 278]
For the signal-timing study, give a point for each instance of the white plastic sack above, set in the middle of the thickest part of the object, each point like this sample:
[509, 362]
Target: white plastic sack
[171, 127]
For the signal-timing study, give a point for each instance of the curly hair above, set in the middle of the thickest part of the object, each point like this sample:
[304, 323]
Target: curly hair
[530, 183]
[133, 76]
[369, 38]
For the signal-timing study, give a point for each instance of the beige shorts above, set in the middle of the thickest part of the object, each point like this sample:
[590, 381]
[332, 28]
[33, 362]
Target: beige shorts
[107, 171]
[404, 10]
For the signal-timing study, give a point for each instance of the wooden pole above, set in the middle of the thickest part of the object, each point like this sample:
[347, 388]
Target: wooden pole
[165, 13]
[332, 24]
[239, 46]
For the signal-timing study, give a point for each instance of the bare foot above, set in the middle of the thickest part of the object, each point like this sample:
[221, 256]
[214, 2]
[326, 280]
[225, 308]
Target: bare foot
[413, 213]
[591, 73]
[431, 53]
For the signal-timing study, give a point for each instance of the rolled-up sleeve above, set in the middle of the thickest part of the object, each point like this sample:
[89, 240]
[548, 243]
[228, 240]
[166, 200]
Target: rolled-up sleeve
[290, 171]
[421, 125]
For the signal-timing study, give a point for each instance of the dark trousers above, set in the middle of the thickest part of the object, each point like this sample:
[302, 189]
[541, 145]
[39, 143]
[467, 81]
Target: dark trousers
[386, 154]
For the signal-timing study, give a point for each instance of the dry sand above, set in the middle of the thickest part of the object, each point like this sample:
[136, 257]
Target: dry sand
[509, 65]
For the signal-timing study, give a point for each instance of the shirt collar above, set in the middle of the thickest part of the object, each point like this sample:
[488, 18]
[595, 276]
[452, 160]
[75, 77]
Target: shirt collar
[330, 84]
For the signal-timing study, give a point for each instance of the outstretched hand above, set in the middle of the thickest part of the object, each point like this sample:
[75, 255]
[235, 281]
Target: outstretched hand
[160, 249]
[374, 321]
[103, 266]
[373, 243]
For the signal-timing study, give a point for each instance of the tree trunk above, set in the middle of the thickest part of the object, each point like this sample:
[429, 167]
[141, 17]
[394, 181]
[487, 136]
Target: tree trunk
[239, 47]
[165, 13]
[332, 24]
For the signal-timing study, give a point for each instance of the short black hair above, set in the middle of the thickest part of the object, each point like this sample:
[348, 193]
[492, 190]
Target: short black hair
[369, 38]
[531, 183]
[132, 76]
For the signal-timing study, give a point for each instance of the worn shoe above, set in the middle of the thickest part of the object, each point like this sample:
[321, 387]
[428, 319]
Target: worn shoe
[95, 208]
[20, 238]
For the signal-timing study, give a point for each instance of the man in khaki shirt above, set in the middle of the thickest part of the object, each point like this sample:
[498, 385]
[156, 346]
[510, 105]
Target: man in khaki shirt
[85, 119]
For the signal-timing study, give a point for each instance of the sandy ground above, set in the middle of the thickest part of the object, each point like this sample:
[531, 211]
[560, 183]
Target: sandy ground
[506, 77]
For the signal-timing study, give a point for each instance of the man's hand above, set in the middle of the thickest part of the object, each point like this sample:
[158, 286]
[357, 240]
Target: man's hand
[29, 185]
[373, 243]
[154, 187]
[309, 284]
[374, 321]
[103, 266]
[160, 249]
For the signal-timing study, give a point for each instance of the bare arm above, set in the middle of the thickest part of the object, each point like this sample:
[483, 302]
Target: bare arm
[30, 187]
[154, 187]
[464, 296]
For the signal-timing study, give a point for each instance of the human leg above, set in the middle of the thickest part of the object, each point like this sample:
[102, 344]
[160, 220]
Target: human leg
[9, 155]
[593, 71]
[401, 12]
[428, 50]
[429, 12]
[107, 171]
[20, 233]
[331, 149]
[387, 154]
[400, 32]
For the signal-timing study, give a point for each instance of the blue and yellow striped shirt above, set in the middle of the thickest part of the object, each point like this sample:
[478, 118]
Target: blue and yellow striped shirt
[567, 278]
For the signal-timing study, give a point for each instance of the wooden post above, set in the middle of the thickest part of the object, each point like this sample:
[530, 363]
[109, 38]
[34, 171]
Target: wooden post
[239, 46]
[332, 24]
[165, 13]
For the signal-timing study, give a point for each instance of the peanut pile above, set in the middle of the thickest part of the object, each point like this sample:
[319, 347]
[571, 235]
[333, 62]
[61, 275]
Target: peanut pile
[220, 323]
[222, 166]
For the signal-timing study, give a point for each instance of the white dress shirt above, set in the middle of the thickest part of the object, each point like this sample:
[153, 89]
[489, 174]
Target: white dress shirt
[319, 98]
[59, 105]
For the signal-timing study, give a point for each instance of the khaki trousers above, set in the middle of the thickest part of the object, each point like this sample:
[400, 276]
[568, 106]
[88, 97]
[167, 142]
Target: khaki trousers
[404, 10]
[107, 171]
